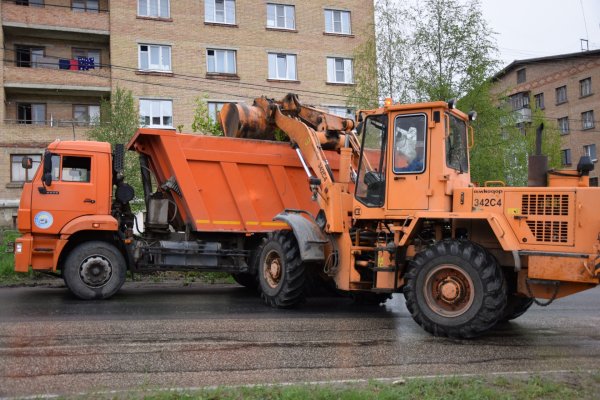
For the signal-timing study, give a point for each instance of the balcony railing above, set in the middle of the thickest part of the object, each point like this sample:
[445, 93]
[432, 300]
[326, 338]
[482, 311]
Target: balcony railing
[51, 123]
[47, 73]
[523, 115]
[55, 16]
[27, 135]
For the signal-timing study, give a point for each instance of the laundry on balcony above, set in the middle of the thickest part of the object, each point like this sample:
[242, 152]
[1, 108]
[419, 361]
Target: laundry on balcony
[64, 63]
[85, 63]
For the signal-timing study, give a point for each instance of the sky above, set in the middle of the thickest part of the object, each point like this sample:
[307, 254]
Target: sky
[538, 28]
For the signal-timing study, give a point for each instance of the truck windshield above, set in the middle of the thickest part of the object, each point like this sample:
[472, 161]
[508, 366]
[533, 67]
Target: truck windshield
[456, 144]
[370, 183]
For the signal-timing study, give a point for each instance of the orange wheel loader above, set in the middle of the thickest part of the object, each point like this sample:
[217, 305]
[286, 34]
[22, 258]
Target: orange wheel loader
[376, 206]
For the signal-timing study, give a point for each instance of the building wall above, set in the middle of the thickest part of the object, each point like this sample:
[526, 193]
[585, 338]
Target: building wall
[545, 77]
[120, 31]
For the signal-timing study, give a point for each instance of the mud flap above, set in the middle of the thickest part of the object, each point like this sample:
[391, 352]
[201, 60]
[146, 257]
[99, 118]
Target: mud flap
[311, 239]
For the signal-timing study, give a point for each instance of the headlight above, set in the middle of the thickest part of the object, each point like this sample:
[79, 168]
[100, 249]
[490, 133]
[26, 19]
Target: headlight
[18, 247]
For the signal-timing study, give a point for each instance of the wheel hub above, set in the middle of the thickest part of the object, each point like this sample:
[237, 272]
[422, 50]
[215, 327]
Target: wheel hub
[272, 269]
[95, 271]
[448, 290]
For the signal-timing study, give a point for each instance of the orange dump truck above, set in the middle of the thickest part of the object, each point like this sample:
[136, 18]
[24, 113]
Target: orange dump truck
[376, 206]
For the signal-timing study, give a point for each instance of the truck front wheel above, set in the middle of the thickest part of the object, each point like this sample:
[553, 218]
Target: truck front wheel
[94, 270]
[281, 272]
[455, 289]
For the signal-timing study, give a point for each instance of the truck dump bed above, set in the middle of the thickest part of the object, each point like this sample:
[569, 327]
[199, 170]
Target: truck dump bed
[228, 184]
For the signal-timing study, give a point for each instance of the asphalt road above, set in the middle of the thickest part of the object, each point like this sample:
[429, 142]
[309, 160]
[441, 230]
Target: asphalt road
[167, 336]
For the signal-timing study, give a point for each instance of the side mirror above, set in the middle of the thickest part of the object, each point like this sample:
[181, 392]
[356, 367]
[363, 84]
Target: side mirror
[26, 163]
[47, 172]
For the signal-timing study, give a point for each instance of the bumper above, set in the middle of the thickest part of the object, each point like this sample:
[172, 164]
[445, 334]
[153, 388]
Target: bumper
[23, 253]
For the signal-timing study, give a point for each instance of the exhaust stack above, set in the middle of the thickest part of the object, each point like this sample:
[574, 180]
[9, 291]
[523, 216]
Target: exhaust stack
[538, 163]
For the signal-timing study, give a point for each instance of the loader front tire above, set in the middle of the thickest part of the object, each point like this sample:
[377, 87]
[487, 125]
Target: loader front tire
[455, 289]
[281, 273]
[94, 270]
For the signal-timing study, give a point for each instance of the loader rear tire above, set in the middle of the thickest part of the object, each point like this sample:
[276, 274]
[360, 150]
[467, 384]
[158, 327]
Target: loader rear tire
[455, 289]
[281, 273]
[515, 307]
[94, 270]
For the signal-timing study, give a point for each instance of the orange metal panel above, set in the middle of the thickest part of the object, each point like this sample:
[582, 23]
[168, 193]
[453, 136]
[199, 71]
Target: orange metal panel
[229, 184]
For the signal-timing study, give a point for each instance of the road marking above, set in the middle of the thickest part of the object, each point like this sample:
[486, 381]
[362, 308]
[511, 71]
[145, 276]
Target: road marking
[307, 383]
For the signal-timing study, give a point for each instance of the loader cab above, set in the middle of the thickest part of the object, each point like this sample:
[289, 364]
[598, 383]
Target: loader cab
[404, 147]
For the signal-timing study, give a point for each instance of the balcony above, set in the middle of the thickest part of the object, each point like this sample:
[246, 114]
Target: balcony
[523, 115]
[59, 18]
[93, 82]
[40, 135]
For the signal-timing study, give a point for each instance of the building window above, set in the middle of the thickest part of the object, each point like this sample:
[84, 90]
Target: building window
[28, 56]
[337, 22]
[20, 174]
[345, 112]
[154, 57]
[519, 100]
[339, 70]
[213, 109]
[594, 182]
[281, 16]
[590, 151]
[587, 120]
[84, 5]
[220, 61]
[154, 8]
[539, 101]
[86, 114]
[521, 75]
[156, 113]
[565, 156]
[31, 3]
[563, 125]
[31, 114]
[561, 95]
[585, 87]
[92, 55]
[282, 66]
[219, 11]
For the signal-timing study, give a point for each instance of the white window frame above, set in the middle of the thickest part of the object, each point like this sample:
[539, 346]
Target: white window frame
[341, 111]
[91, 115]
[560, 91]
[28, 173]
[590, 151]
[218, 69]
[333, 70]
[163, 106]
[587, 120]
[92, 6]
[345, 22]
[291, 62]
[565, 156]
[164, 52]
[212, 12]
[563, 125]
[274, 17]
[585, 87]
[161, 5]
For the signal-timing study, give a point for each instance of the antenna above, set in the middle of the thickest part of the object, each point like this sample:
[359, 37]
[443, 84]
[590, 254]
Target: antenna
[585, 45]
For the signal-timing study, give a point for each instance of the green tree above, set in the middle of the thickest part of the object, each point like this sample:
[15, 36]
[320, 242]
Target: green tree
[203, 123]
[454, 49]
[118, 122]
[381, 63]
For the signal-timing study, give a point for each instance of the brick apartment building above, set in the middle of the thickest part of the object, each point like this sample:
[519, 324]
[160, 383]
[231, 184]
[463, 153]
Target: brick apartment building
[61, 57]
[565, 87]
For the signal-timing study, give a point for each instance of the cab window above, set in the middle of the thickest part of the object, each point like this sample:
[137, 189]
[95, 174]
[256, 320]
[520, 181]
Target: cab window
[370, 183]
[409, 143]
[76, 169]
[456, 144]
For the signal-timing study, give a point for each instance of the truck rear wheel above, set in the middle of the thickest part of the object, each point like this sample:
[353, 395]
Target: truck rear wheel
[94, 270]
[455, 289]
[281, 273]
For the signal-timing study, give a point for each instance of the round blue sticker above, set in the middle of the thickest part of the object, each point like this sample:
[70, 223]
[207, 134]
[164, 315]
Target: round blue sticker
[43, 220]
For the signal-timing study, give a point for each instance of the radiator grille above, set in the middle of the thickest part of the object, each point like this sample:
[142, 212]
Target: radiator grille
[550, 231]
[545, 204]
